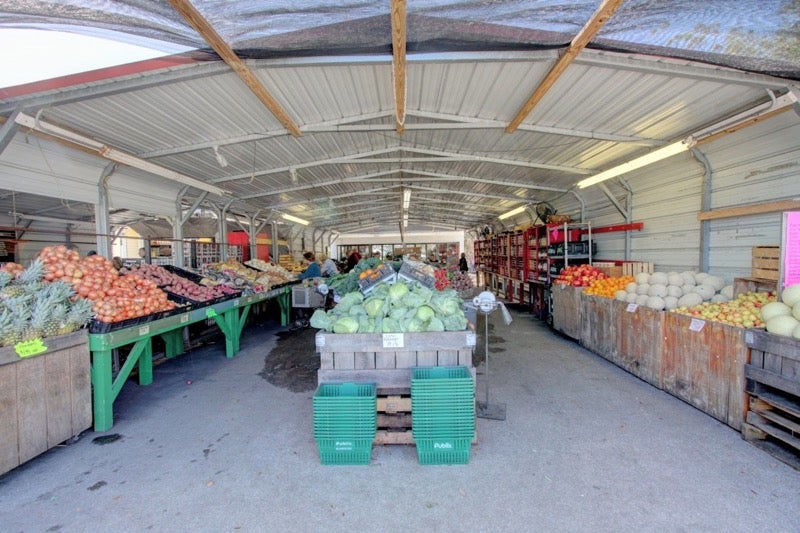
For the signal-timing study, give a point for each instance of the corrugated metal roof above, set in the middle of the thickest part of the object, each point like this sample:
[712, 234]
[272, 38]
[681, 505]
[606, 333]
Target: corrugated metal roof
[350, 164]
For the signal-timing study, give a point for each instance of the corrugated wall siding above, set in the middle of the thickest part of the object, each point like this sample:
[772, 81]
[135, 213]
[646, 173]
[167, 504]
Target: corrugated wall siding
[755, 165]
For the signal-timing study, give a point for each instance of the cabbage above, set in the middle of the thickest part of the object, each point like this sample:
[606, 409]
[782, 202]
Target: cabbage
[424, 313]
[349, 300]
[435, 324]
[445, 305]
[357, 310]
[415, 325]
[365, 324]
[345, 324]
[398, 313]
[321, 320]
[455, 322]
[397, 291]
[374, 306]
[390, 325]
[412, 299]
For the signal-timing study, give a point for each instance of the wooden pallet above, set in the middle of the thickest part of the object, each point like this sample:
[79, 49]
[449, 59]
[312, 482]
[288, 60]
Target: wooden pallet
[773, 424]
[394, 419]
[765, 262]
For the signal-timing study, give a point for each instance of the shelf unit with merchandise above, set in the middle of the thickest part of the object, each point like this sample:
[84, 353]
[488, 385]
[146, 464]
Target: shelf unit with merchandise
[568, 244]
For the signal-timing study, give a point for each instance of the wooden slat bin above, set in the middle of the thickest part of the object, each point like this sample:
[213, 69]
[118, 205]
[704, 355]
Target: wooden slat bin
[597, 325]
[567, 309]
[773, 384]
[387, 359]
[765, 262]
[702, 363]
[45, 399]
[637, 340]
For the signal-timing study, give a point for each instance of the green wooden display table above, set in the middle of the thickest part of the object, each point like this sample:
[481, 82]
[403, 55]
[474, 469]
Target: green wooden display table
[230, 316]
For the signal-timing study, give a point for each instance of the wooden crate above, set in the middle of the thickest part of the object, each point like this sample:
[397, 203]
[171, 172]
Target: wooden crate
[773, 384]
[765, 262]
[702, 363]
[567, 309]
[44, 399]
[387, 359]
[631, 268]
[597, 325]
[743, 285]
[637, 340]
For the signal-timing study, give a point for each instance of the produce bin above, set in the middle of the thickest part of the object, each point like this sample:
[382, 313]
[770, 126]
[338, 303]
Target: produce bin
[387, 359]
[637, 334]
[567, 309]
[702, 363]
[45, 399]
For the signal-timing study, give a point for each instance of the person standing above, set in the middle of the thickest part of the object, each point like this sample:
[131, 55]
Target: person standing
[462, 263]
[312, 270]
[329, 268]
[353, 257]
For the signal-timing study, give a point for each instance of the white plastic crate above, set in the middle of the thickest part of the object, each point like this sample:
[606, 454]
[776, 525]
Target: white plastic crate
[306, 297]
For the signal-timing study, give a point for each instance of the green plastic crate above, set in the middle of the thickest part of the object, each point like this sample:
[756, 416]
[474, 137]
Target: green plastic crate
[443, 451]
[345, 410]
[345, 451]
[437, 380]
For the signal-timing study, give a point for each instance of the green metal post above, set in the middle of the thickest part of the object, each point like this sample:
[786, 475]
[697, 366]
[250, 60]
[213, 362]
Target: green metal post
[101, 390]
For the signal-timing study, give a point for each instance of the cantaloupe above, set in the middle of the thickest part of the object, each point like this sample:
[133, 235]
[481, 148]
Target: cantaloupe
[658, 278]
[688, 277]
[655, 302]
[687, 289]
[796, 310]
[774, 309]
[642, 277]
[796, 332]
[675, 279]
[620, 295]
[782, 325]
[674, 290]
[719, 298]
[631, 297]
[715, 281]
[657, 290]
[690, 300]
[670, 302]
[791, 295]
[631, 287]
[727, 290]
[700, 277]
[706, 292]
[641, 299]
[642, 288]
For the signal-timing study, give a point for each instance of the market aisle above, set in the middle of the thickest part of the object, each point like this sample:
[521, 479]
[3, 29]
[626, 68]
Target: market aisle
[585, 447]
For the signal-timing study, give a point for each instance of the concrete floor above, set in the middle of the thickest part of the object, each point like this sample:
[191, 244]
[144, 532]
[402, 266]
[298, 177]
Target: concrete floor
[585, 447]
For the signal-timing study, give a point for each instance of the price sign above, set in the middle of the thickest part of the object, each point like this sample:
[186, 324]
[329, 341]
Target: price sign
[471, 339]
[319, 340]
[697, 325]
[29, 348]
[144, 330]
[184, 318]
[236, 302]
[632, 308]
[393, 340]
[211, 313]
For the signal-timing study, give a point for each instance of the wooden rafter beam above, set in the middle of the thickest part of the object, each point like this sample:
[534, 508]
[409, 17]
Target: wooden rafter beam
[749, 210]
[207, 32]
[399, 61]
[587, 33]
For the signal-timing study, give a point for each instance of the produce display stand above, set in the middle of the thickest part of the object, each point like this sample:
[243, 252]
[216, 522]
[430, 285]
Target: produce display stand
[387, 360]
[566, 309]
[229, 315]
[773, 387]
[45, 399]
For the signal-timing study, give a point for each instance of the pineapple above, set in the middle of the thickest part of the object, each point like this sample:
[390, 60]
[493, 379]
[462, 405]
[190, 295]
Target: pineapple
[6, 327]
[28, 281]
[55, 321]
[40, 316]
[78, 315]
[34, 273]
[5, 278]
[19, 323]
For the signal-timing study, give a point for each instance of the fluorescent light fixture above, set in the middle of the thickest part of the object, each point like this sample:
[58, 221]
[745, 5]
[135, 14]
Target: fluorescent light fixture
[656, 155]
[405, 220]
[406, 198]
[292, 218]
[515, 211]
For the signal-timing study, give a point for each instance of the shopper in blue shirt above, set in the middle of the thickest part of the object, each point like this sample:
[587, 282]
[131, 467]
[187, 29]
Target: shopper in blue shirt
[313, 270]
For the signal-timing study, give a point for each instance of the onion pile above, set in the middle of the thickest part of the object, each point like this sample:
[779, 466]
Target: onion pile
[115, 297]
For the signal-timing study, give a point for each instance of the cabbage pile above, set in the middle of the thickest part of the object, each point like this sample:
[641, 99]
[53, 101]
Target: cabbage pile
[402, 307]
